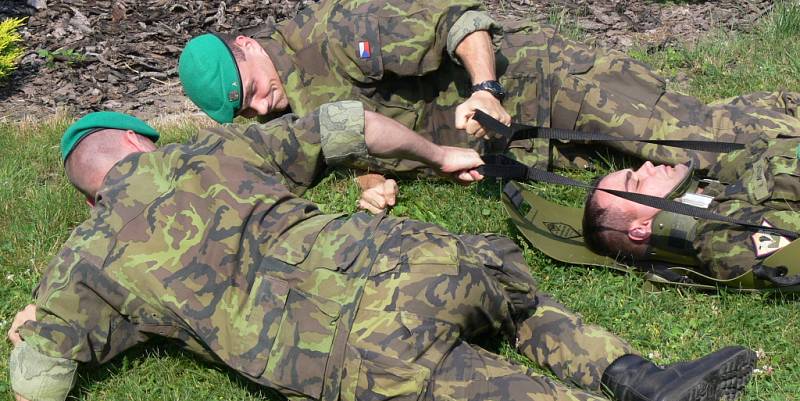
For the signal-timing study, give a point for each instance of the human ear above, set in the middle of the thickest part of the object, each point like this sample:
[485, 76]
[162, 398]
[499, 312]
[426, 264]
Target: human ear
[243, 41]
[639, 231]
[137, 142]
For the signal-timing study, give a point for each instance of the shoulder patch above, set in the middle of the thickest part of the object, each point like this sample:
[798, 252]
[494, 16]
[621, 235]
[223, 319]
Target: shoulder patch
[766, 244]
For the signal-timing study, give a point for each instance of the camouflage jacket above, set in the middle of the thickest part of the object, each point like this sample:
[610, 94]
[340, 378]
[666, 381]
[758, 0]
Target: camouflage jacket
[760, 185]
[202, 242]
[397, 58]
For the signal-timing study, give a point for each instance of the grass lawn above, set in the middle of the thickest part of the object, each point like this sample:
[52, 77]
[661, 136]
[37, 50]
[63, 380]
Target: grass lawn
[38, 209]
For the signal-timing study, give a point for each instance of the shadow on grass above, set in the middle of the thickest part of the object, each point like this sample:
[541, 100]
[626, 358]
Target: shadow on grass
[161, 348]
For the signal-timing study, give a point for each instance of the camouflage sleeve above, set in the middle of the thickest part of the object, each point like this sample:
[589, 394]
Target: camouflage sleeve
[472, 21]
[728, 251]
[73, 320]
[38, 377]
[288, 147]
[342, 132]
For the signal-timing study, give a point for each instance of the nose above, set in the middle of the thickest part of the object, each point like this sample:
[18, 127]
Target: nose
[647, 167]
[262, 106]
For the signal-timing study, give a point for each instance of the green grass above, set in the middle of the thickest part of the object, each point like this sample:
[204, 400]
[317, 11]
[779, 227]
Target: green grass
[38, 210]
[728, 64]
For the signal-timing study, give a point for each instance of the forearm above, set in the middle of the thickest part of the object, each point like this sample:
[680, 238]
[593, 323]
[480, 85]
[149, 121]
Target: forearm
[477, 55]
[387, 138]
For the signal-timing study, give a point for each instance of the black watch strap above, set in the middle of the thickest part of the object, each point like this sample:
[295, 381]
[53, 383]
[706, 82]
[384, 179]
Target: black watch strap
[492, 87]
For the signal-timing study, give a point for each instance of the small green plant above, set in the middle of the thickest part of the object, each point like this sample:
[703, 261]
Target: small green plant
[565, 22]
[10, 48]
[68, 56]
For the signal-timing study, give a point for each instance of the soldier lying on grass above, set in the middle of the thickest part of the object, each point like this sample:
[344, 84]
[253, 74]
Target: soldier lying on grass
[758, 184]
[204, 243]
[430, 65]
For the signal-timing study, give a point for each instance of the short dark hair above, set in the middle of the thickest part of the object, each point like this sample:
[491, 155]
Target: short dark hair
[605, 230]
[230, 40]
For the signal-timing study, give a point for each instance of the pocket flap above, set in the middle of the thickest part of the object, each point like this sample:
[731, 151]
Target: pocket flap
[299, 357]
[383, 378]
[244, 340]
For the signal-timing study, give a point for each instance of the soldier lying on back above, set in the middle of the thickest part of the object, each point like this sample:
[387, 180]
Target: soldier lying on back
[758, 185]
[430, 64]
[204, 243]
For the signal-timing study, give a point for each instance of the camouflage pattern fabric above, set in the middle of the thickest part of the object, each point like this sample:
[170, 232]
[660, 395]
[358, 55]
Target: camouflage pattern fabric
[203, 243]
[550, 81]
[40, 377]
[759, 184]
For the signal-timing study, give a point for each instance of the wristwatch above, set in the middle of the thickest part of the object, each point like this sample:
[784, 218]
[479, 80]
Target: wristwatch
[492, 87]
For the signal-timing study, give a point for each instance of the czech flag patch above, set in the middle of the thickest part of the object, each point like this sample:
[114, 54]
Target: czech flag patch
[364, 50]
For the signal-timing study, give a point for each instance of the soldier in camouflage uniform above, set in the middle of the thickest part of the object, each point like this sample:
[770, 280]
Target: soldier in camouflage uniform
[758, 185]
[429, 65]
[204, 243]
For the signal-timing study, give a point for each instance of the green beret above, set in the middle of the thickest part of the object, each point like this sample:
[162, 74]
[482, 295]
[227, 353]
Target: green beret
[210, 77]
[99, 121]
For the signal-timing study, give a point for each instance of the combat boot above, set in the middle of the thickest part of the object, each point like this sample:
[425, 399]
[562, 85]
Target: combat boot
[719, 375]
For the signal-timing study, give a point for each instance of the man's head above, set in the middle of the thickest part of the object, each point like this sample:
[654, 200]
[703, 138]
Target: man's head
[230, 75]
[619, 227]
[91, 146]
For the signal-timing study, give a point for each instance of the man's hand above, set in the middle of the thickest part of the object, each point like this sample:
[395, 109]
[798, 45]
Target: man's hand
[460, 164]
[29, 313]
[377, 193]
[486, 102]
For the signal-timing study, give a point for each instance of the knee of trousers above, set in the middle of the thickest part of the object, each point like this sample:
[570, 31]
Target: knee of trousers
[503, 261]
[432, 273]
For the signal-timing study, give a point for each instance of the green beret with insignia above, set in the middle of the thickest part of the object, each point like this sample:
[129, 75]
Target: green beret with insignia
[210, 77]
[99, 121]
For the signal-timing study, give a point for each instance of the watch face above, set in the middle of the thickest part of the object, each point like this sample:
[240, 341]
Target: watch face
[492, 87]
[495, 87]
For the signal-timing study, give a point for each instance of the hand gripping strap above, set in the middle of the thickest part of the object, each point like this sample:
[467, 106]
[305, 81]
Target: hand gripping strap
[521, 131]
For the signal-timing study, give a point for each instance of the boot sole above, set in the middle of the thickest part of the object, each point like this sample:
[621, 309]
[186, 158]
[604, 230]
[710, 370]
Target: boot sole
[727, 382]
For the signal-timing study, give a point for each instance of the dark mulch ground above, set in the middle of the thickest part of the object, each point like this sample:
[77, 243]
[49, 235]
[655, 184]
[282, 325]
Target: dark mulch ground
[93, 55]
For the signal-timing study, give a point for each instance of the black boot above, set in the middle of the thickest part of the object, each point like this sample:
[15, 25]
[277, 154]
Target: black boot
[720, 375]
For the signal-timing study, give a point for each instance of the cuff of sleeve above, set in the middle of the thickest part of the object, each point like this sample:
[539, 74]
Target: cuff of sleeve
[472, 21]
[39, 377]
[342, 132]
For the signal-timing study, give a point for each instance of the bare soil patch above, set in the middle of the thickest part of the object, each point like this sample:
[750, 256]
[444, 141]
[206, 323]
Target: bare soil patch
[121, 55]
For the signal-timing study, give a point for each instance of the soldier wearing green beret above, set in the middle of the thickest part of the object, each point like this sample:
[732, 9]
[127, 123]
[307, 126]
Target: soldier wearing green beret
[758, 185]
[429, 65]
[204, 243]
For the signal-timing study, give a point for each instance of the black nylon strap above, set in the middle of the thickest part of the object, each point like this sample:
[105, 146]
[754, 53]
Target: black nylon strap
[521, 131]
[776, 276]
[501, 166]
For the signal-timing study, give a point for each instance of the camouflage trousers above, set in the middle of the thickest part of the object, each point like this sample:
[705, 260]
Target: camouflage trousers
[607, 91]
[412, 332]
